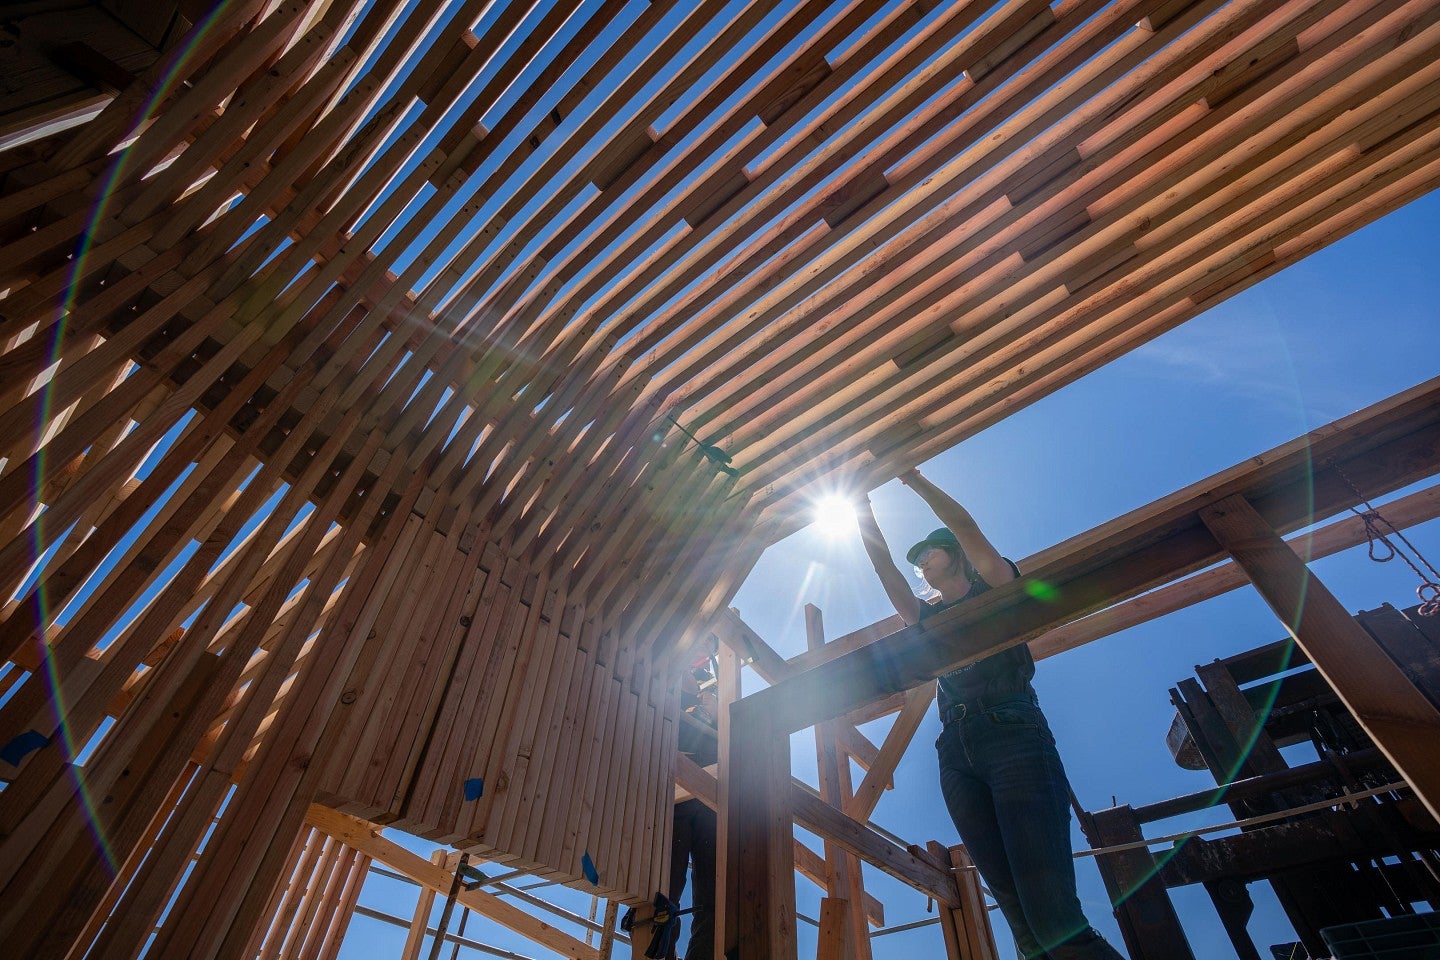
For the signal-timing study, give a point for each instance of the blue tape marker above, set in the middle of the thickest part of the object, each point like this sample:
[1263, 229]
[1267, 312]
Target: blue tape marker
[22, 746]
[474, 787]
[588, 865]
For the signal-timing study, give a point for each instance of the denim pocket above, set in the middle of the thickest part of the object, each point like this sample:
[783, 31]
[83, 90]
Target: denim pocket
[1014, 715]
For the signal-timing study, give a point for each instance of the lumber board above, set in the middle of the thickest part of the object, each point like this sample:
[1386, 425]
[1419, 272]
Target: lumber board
[1378, 449]
[559, 316]
[1393, 710]
[1414, 508]
[362, 836]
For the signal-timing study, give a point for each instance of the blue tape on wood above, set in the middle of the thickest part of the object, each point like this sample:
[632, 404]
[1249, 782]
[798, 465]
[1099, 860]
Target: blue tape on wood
[474, 787]
[22, 746]
[588, 865]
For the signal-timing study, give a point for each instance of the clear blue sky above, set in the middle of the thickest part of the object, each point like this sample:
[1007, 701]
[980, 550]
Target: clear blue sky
[1347, 327]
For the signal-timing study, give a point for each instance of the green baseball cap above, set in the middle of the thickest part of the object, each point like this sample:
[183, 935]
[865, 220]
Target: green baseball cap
[937, 538]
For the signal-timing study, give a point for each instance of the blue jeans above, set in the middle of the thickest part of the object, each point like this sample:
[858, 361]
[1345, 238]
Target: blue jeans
[693, 842]
[1007, 793]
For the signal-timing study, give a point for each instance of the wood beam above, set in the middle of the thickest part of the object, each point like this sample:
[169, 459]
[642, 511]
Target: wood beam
[364, 836]
[820, 818]
[897, 741]
[968, 935]
[1404, 512]
[1407, 511]
[831, 942]
[758, 826]
[698, 782]
[844, 877]
[420, 922]
[1372, 452]
[1380, 449]
[1404, 724]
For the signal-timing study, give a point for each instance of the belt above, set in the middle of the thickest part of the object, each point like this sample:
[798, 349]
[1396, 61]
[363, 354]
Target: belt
[978, 705]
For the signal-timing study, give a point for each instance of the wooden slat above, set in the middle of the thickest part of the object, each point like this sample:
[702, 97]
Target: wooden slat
[362, 836]
[453, 276]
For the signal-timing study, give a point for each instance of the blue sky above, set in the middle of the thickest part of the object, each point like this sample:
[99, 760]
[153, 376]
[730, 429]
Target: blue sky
[1349, 326]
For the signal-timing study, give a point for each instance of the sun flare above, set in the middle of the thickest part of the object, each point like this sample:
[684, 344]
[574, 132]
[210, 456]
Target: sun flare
[834, 515]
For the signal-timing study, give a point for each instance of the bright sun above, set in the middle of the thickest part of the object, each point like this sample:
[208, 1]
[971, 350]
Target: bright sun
[834, 515]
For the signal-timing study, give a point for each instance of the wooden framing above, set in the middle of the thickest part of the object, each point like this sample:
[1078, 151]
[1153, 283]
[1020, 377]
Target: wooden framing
[390, 393]
[1238, 512]
[358, 835]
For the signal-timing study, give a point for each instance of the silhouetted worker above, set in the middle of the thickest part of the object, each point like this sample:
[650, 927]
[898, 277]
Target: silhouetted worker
[999, 770]
[693, 843]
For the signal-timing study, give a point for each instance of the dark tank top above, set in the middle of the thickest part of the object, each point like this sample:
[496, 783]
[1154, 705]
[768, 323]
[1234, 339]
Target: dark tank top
[1004, 676]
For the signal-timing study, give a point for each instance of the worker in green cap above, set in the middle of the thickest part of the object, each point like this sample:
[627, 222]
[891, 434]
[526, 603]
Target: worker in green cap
[1001, 776]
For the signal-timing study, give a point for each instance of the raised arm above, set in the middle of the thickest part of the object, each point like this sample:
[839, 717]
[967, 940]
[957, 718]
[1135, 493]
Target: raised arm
[982, 554]
[897, 588]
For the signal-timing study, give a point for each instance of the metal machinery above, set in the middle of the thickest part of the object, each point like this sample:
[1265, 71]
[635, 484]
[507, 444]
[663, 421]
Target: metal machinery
[1328, 862]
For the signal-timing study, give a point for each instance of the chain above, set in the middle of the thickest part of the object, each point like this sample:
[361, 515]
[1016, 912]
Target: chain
[1383, 549]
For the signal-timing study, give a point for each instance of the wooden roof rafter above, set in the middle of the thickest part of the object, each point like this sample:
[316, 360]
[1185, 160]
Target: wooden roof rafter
[401, 386]
[918, 216]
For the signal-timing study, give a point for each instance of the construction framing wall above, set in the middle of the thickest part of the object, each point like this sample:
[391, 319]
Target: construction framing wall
[390, 393]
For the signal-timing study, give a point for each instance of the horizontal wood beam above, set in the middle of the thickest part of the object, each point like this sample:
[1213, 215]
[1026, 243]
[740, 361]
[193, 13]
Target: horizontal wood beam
[1343, 534]
[1415, 508]
[701, 784]
[842, 645]
[363, 836]
[1377, 450]
[820, 818]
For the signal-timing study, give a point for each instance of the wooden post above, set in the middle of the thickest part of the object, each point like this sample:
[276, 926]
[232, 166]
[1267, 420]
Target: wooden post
[727, 692]
[1147, 917]
[420, 922]
[843, 878]
[760, 915]
[1398, 717]
[971, 919]
[641, 930]
[607, 936]
[833, 920]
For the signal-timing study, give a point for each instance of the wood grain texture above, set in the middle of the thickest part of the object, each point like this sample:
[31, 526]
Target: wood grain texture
[1397, 715]
[398, 390]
